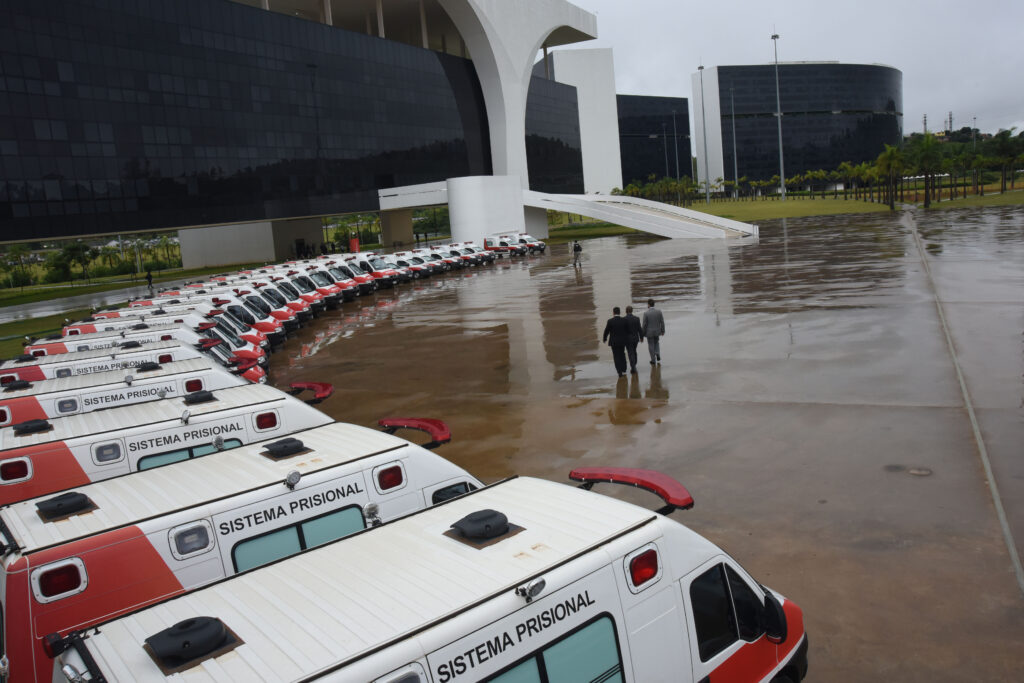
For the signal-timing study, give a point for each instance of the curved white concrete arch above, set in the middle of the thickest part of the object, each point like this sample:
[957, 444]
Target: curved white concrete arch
[503, 37]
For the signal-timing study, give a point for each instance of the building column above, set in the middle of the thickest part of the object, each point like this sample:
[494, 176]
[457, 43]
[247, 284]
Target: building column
[325, 12]
[479, 206]
[396, 228]
[423, 26]
[380, 19]
[265, 4]
[536, 220]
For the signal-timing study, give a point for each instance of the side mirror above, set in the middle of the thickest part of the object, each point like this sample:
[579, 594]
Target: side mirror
[774, 619]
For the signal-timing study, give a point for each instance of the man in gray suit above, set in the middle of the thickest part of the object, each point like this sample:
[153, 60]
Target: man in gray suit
[654, 327]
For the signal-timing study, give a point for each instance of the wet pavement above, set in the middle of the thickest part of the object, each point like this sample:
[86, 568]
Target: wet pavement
[809, 399]
[41, 309]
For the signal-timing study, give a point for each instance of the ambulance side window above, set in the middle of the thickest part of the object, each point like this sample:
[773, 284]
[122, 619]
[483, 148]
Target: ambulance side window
[590, 653]
[161, 459]
[712, 613]
[63, 372]
[281, 543]
[449, 492]
[748, 607]
[67, 405]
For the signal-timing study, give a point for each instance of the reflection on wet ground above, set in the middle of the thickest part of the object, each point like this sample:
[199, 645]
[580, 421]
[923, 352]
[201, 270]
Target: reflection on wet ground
[808, 398]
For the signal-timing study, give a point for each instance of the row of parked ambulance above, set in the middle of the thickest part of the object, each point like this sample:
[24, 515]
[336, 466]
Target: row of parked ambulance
[166, 515]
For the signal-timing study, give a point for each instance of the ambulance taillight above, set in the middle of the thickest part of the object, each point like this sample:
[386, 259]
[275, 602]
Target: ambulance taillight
[14, 470]
[193, 385]
[266, 421]
[164, 358]
[165, 337]
[643, 567]
[389, 477]
[62, 579]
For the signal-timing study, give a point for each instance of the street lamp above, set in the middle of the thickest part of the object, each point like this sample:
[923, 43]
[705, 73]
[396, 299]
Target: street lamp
[704, 126]
[778, 106]
[664, 143]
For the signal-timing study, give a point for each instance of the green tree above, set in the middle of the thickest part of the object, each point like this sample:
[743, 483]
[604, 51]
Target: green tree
[928, 158]
[1004, 153]
[890, 166]
[847, 171]
[81, 253]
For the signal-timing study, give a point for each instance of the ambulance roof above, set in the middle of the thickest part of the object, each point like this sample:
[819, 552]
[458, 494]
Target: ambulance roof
[98, 379]
[91, 354]
[129, 499]
[105, 334]
[300, 616]
[124, 419]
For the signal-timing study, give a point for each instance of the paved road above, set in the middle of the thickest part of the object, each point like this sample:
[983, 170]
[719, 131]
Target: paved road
[809, 398]
[72, 303]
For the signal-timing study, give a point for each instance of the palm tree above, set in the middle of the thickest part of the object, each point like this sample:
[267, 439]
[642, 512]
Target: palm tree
[928, 157]
[1004, 153]
[890, 164]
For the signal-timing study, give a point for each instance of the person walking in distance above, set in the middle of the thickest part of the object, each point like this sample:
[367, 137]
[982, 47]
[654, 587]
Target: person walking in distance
[636, 335]
[577, 252]
[653, 329]
[616, 334]
[149, 279]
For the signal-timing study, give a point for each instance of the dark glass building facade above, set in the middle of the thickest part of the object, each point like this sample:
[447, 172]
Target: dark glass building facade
[831, 113]
[120, 115]
[651, 137]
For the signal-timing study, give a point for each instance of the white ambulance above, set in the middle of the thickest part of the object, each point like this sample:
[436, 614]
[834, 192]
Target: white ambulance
[43, 456]
[524, 581]
[199, 318]
[22, 400]
[72, 560]
[33, 368]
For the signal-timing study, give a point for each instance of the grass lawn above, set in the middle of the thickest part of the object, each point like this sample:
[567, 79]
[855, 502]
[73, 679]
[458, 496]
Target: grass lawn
[12, 334]
[1009, 198]
[13, 297]
[762, 210]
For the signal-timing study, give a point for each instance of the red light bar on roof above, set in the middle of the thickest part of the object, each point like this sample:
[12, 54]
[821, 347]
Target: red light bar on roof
[674, 494]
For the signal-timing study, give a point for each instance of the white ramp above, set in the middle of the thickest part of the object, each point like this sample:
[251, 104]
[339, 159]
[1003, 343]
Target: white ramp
[656, 218]
[641, 214]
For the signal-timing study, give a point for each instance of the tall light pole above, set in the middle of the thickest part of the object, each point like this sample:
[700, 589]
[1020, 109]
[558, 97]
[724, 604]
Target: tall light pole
[664, 143]
[675, 146]
[735, 166]
[778, 107]
[704, 126]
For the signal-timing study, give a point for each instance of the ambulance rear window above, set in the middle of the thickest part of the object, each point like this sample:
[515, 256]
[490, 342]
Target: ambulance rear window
[171, 457]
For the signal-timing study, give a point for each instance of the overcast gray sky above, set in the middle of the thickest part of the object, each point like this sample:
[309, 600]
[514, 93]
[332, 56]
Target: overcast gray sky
[964, 57]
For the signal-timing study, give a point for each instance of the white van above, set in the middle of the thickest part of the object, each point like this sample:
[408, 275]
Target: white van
[22, 400]
[33, 368]
[526, 580]
[43, 456]
[110, 547]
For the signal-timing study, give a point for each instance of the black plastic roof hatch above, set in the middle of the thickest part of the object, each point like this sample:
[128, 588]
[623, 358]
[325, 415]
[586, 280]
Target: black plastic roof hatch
[148, 366]
[64, 505]
[195, 397]
[140, 326]
[284, 448]
[31, 427]
[482, 525]
[130, 345]
[17, 385]
[189, 643]
[24, 358]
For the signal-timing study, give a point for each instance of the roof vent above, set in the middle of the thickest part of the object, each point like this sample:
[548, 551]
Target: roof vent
[31, 427]
[17, 385]
[140, 326]
[190, 642]
[24, 358]
[284, 448]
[482, 525]
[63, 506]
[54, 337]
[130, 345]
[198, 397]
[159, 311]
[174, 301]
[148, 366]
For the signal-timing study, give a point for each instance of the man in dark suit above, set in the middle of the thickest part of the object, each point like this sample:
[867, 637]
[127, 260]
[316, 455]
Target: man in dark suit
[616, 333]
[636, 335]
